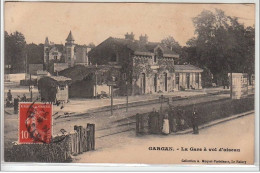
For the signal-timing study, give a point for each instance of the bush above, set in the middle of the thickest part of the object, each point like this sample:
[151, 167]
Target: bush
[57, 151]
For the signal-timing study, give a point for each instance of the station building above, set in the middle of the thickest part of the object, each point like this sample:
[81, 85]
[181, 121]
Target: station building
[145, 67]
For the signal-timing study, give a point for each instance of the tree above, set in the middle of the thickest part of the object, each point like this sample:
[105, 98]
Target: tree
[250, 56]
[91, 45]
[15, 52]
[170, 43]
[34, 53]
[221, 44]
[7, 55]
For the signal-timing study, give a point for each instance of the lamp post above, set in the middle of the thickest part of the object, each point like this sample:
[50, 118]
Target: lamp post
[126, 85]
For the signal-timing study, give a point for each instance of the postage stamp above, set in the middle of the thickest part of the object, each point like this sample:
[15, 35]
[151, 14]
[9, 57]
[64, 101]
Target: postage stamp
[35, 122]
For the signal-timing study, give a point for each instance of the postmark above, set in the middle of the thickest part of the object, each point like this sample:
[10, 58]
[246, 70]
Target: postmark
[35, 123]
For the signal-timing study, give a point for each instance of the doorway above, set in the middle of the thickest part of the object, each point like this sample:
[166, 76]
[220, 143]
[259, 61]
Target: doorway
[165, 81]
[177, 79]
[188, 80]
[155, 83]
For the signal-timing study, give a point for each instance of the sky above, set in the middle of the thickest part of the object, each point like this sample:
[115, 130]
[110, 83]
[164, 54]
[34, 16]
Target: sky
[95, 22]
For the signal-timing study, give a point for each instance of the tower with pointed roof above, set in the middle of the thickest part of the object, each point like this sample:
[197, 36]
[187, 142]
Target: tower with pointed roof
[70, 50]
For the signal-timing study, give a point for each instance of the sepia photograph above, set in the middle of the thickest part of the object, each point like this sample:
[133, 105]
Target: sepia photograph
[129, 83]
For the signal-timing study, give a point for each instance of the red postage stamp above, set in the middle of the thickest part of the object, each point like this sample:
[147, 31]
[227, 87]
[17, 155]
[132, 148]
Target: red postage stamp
[35, 123]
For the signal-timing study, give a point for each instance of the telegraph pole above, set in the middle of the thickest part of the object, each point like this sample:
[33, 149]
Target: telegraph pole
[112, 83]
[231, 85]
[96, 82]
[30, 86]
[25, 66]
[112, 93]
[126, 96]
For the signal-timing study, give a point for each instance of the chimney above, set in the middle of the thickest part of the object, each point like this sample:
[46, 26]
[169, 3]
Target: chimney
[46, 41]
[143, 39]
[130, 36]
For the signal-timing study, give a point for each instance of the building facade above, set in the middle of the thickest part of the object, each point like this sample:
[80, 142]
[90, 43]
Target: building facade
[90, 81]
[145, 67]
[187, 77]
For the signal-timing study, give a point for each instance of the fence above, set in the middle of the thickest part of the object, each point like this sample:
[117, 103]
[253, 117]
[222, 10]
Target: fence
[60, 149]
[180, 117]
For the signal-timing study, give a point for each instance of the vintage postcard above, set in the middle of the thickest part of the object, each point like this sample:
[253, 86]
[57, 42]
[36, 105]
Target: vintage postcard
[134, 83]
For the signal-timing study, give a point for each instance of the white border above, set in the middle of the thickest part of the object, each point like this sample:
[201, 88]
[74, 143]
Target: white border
[137, 167]
[2, 84]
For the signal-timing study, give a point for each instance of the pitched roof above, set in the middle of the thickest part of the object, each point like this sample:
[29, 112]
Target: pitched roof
[52, 81]
[60, 78]
[140, 47]
[187, 68]
[60, 47]
[70, 37]
[79, 72]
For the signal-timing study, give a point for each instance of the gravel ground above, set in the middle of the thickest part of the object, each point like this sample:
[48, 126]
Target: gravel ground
[127, 148]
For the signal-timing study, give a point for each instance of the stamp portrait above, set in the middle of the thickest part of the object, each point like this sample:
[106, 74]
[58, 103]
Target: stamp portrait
[35, 123]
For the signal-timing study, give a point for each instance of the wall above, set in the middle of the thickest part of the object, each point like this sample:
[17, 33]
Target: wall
[183, 81]
[62, 95]
[15, 77]
[239, 85]
[81, 89]
[150, 88]
[33, 68]
[81, 55]
[59, 66]
[102, 53]
[101, 88]
[54, 52]
[70, 54]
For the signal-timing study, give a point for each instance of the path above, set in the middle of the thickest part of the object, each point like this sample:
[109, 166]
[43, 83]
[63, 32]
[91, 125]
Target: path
[127, 148]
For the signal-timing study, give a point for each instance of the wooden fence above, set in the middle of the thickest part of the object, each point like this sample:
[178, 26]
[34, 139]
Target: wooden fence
[83, 139]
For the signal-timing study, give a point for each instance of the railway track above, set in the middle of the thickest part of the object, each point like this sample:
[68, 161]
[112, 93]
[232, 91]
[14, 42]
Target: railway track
[126, 121]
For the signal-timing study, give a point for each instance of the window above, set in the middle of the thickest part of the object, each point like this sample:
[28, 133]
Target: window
[124, 76]
[155, 59]
[113, 58]
[62, 88]
[55, 58]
